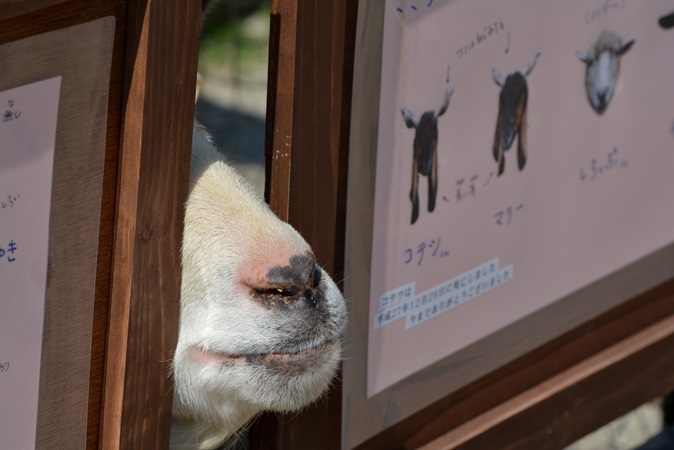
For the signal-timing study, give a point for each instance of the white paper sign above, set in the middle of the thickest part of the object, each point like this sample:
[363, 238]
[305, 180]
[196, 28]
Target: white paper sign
[27, 137]
[496, 139]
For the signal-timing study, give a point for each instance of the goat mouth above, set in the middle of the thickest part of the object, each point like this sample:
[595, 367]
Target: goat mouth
[292, 363]
[280, 362]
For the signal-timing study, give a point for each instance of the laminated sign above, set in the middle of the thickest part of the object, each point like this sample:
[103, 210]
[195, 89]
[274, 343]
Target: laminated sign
[27, 137]
[524, 151]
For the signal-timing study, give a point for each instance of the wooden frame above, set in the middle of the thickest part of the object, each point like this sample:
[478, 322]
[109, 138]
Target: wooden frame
[137, 270]
[594, 370]
[155, 143]
[51, 49]
[482, 393]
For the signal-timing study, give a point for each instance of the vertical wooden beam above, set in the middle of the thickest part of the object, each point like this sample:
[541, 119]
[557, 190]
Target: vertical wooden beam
[307, 159]
[321, 123]
[280, 104]
[158, 108]
[106, 233]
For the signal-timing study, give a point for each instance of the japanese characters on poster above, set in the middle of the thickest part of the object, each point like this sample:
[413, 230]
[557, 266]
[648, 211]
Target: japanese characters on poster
[27, 137]
[524, 151]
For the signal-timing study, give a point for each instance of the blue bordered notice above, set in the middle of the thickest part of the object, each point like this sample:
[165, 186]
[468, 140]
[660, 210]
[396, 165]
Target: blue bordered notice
[417, 309]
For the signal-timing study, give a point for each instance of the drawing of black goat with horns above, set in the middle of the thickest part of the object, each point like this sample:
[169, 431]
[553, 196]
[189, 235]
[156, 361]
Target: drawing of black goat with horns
[512, 114]
[425, 161]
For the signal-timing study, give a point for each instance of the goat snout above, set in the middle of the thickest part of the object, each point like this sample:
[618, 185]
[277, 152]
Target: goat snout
[602, 99]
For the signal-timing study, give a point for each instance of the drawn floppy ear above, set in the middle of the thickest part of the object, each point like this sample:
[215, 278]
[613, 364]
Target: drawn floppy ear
[626, 45]
[410, 120]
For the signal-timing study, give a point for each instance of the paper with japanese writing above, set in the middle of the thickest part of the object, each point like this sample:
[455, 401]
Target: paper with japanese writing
[551, 169]
[27, 137]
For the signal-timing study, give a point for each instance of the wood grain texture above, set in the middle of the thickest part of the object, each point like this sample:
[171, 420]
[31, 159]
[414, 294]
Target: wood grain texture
[360, 223]
[106, 232]
[158, 108]
[577, 400]
[308, 128]
[51, 45]
[280, 104]
[14, 8]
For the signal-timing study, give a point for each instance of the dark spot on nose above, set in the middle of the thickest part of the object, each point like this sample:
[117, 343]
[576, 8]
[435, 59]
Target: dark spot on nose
[298, 273]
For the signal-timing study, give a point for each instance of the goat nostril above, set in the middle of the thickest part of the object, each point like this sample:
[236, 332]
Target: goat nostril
[318, 274]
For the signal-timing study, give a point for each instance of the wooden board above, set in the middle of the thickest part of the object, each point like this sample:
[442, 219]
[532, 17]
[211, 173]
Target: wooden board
[157, 113]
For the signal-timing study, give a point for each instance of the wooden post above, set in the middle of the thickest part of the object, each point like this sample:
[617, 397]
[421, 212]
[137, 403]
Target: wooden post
[158, 108]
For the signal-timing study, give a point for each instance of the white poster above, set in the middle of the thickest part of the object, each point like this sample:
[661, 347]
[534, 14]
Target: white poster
[27, 135]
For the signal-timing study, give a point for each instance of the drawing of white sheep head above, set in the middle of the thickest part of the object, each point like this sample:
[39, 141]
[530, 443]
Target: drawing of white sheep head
[602, 68]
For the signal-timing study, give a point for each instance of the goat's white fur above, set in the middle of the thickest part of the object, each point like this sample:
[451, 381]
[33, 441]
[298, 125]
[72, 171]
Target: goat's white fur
[602, 61]
[236, 355]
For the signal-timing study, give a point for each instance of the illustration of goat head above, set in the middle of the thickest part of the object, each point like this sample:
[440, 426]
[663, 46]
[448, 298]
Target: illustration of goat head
[602, 68]
[425, 160]
[512, 114]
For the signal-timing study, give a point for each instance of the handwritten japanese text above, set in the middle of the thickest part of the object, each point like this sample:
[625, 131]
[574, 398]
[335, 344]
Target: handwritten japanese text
[417, 254]
[598, 168]
[489, 30]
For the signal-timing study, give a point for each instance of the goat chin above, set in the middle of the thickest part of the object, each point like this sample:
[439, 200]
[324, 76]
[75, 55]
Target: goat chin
[260, 322]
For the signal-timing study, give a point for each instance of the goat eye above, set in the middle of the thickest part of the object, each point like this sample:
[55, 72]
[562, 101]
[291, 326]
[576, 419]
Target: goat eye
[274, 292]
